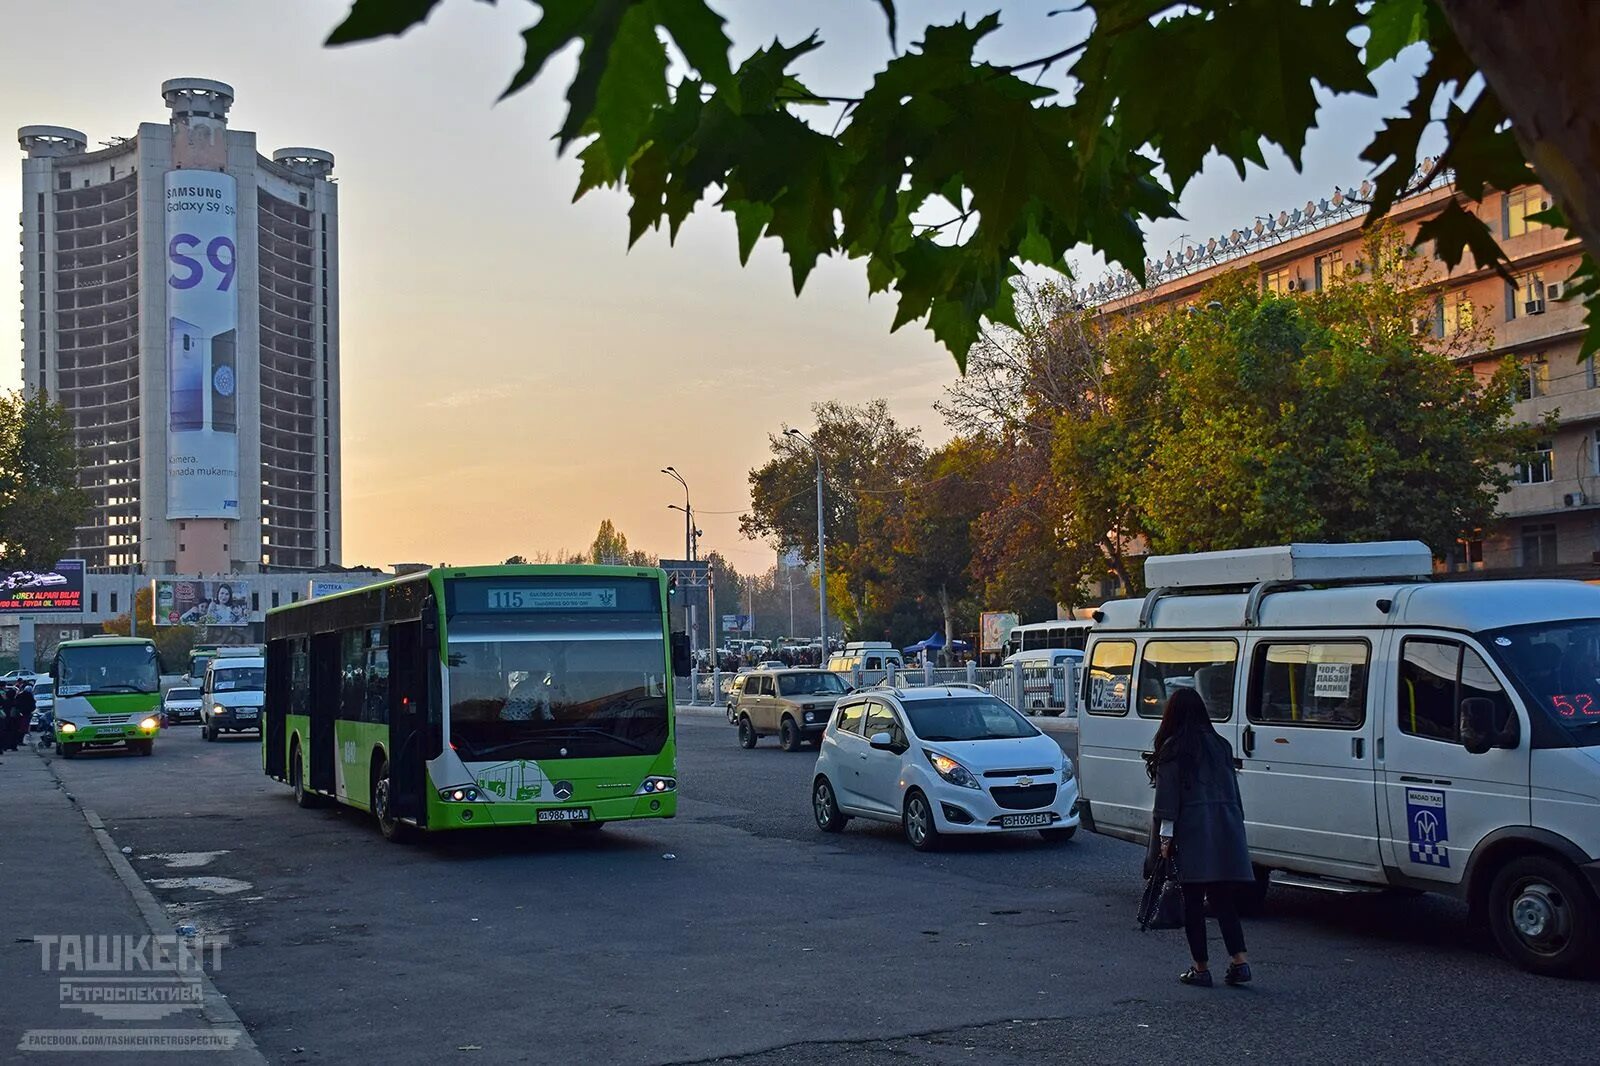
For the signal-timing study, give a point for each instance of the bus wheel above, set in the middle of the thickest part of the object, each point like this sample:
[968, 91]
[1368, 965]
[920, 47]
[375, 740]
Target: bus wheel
[68, 751]
[143, 747]
[1543, 917]
[303, 797]
[392, 828]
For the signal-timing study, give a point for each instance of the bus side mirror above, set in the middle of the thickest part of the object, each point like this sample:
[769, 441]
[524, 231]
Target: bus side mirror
[1479, 732]
[680, 655]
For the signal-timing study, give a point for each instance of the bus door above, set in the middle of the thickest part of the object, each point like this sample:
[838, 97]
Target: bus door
[408, 722]
[324, 709]
[276, 707]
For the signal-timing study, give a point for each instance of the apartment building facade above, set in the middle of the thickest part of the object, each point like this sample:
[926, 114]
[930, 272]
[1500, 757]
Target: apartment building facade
[1549, 519]
[181, 301]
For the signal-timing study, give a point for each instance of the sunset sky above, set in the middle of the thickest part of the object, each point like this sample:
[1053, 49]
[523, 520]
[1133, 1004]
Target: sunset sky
[513, 374]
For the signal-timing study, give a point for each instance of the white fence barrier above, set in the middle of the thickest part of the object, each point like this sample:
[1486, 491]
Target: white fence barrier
[1035, 688]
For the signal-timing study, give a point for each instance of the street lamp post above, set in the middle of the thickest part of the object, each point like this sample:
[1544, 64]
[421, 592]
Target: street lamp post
[688, 553]
[822, 553]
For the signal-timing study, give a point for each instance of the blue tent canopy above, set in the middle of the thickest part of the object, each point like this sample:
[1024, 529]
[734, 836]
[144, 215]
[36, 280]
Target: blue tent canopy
[936, 643]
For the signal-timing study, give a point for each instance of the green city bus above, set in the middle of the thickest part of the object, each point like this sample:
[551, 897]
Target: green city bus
[458, 698]
[108, 691]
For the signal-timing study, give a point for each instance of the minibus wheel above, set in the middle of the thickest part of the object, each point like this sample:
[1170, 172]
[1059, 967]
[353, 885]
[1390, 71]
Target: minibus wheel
[1543, 917]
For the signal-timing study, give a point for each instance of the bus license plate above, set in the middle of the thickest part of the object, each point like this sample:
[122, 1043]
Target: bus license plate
[1014, 821]
[244, 712]
[563, 814]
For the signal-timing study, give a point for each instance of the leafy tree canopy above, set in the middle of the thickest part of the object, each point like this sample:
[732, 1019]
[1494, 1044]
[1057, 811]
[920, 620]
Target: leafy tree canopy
[40, 502]
[951, 172]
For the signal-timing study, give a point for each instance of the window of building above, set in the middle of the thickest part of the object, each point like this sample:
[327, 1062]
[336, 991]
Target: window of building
[1457, 313]
[1328, 268]
[1539, 544]
[64, 181]
[1207, 666]
[1515, 209]
[1466, 554]
[274, 597]
[1275, 281]
[1533, 379]
[1109, 677]
[182, 546]
[294, 597]
[1310, 684]
[94, 602]
[113, 603]
[255, 601]
[1537, 468]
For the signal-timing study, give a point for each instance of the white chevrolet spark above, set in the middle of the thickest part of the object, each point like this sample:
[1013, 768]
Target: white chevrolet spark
[941, 761]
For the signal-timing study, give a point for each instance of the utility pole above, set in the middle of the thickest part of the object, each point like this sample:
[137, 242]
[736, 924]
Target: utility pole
[688, 553]
[822, 550]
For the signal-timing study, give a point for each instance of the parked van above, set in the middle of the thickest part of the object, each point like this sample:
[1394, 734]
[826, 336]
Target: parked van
[1390, 730]
[869, 655]
[1047, 679]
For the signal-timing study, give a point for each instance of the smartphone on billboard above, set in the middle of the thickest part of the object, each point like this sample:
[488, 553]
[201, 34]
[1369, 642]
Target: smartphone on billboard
[186, 376]
[224, 383]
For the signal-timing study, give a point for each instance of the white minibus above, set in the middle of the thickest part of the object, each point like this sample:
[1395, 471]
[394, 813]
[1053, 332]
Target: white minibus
[1390, 730]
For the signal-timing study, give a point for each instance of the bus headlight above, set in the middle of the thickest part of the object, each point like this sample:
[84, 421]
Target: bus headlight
[149, 725]
[68, 727]
[656, 785]
[217, 708]
[465, 794]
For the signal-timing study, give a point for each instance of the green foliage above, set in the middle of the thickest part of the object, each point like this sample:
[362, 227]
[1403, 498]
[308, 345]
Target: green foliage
[950, 170]
[1267, 419]
[40, 502]
[610, 547]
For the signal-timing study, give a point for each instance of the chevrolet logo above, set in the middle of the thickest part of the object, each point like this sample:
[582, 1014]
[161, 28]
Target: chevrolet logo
[1024, 782]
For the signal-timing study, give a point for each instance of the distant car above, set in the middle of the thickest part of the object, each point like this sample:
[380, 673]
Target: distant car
[47, 580]
[941, 761]
[735, 689]
[181, 704]
[793, 704]
[772, 664]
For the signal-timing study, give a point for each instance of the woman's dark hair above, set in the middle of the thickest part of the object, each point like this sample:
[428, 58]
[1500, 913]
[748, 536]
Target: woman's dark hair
[1183, 723]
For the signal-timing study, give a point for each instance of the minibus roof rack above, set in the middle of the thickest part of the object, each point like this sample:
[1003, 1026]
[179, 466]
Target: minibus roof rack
[1261, 570]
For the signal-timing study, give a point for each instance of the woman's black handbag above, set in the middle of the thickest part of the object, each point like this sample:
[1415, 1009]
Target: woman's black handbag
[1162, 904]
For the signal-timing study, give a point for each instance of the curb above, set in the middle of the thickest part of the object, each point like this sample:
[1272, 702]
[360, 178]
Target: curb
[214, 1008]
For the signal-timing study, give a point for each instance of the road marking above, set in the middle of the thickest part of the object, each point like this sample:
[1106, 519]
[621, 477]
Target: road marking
[181, 860]
[222, 886]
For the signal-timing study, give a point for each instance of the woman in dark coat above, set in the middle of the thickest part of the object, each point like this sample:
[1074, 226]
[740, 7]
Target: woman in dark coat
[1198, 817]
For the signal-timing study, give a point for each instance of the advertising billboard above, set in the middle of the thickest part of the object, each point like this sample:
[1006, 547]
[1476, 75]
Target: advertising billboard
[202, 603]
[202, 343]
[993, 629]
[36, 591]
[321, 587]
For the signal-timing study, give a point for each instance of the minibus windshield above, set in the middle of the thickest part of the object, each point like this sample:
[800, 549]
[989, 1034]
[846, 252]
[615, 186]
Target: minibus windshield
[1557, 665]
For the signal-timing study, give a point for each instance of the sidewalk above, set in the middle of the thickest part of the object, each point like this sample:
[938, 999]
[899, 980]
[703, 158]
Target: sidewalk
[57, 882]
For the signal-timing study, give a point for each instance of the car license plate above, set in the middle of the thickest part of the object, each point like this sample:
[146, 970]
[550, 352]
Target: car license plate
[563, 814]
[1015, 821]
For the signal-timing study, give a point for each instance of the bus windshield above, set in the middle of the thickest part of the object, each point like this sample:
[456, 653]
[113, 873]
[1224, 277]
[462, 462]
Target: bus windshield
[543, 696]
[110, 668]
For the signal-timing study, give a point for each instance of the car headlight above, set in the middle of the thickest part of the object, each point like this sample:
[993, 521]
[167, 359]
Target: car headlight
[1066, 769]
[811, 716]
[149, 725]
[952, 771]
[464, 794]
[654, 786]
[68, 727]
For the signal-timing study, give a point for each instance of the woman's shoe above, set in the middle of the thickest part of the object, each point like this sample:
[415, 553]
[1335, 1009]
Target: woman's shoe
[1238, 974]
[1192, 976]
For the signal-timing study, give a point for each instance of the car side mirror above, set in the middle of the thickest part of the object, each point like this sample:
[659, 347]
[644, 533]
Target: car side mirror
[882, 742]
[1479, 733]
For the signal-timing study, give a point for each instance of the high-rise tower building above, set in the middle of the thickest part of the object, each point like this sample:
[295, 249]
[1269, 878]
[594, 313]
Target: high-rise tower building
[181, 300]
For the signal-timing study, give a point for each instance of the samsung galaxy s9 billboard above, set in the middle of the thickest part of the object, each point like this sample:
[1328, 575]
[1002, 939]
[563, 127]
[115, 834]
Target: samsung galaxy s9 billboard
[202, 331]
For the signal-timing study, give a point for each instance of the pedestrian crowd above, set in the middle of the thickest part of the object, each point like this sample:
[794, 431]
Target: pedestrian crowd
[16, 711]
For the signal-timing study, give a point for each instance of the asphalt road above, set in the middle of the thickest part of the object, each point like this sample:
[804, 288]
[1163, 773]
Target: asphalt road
[738, 932]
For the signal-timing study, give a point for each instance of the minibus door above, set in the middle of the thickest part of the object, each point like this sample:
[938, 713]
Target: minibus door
[1111, 739]
[1307, 755]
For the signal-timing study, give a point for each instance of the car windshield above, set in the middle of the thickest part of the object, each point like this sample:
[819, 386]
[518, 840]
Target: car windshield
[966, 718]
[239, 679]
[817, 684]
[183, 694]
[44, 688]
[1557, 667]
[108, 668]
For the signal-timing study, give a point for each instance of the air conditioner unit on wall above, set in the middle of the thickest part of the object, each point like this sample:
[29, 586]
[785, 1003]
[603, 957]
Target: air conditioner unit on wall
[1533, 307]
[1574, 499]
[1552, 290]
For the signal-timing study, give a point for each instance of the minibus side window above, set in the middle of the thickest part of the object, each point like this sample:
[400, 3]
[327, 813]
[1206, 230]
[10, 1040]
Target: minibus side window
[1310, 684]
[1207, 666]
[1109, 677]
[1435, 676]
